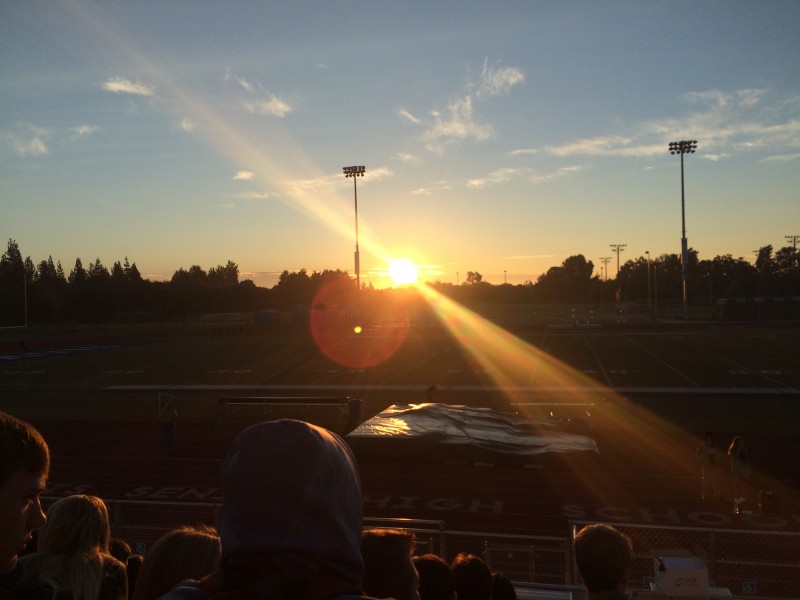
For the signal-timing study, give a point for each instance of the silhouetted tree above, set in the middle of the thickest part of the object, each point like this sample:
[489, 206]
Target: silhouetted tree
[13, 279]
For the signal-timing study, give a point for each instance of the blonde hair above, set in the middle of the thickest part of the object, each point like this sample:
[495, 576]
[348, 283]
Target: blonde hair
[73, 546]
[184, 553]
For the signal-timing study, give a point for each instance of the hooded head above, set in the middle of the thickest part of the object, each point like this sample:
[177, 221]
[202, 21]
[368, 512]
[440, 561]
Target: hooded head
[288, 486]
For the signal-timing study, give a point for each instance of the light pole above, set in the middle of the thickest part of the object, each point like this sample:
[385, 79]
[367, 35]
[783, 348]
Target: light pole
[655, 290]
[618, 248]
[505, 279]
[683, 147]
[605, 260]
[355, 173]
[649, 307]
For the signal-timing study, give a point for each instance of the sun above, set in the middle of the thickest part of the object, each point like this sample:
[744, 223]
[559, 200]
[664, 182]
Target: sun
[403, 271]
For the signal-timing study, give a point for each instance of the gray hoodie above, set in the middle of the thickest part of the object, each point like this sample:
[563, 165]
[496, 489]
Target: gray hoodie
[290, 489]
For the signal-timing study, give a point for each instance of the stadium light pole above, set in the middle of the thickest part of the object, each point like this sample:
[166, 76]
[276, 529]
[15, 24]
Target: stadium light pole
[355, 173]
[683, 147]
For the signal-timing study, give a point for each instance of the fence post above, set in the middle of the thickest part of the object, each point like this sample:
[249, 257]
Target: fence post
[712, 556]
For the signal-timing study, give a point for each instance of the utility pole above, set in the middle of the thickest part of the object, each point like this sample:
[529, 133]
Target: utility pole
[618, 248]
[649, 307]
[605, 260]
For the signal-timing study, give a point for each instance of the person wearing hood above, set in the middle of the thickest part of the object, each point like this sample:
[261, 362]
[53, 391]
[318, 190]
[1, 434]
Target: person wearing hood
[291, 518]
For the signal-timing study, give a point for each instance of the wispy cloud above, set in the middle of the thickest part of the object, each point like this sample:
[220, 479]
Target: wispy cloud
[456, 124]
[28, 140]
[557, 174]
[498, 176]
[528, 256]
[188, 125]
[408, 116]
[31, 147]
[244, 83]
[84, 130]
[406, 157]
[272, 106]
[506, 174]
[253, 195]
[121, 85]
[779, 158]
[244, 176]
[498, 80]
[725, 124]
[267, 104]
[429, 190]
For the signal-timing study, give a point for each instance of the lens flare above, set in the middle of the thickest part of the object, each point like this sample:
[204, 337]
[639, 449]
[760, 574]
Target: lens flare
[338, 328]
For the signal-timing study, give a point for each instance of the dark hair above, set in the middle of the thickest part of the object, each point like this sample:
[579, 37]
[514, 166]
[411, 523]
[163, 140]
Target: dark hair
[603, 555]
[502, 588]
[435, 577]
[22, 448]
[472, 577]
[387, 556]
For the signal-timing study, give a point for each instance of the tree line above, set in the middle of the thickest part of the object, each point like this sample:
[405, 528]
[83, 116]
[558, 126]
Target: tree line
[45, 293]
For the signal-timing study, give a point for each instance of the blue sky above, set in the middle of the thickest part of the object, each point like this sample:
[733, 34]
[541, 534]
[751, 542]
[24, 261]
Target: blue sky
[497, 137]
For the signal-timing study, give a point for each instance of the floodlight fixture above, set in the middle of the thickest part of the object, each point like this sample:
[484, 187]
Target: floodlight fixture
[357, 171]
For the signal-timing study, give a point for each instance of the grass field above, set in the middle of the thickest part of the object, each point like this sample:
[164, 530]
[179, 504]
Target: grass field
[667, 366]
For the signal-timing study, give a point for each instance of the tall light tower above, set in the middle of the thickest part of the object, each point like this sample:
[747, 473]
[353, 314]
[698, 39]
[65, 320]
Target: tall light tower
[355, 173]
[683, 147]
[618, 248]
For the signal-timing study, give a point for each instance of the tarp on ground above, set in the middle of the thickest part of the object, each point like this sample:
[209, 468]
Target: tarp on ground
[464, 431]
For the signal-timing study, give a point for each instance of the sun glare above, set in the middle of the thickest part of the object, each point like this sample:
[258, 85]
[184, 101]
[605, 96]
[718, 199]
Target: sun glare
[403, 271]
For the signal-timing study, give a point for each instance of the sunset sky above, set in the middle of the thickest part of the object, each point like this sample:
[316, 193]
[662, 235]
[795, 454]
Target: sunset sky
[497, 137]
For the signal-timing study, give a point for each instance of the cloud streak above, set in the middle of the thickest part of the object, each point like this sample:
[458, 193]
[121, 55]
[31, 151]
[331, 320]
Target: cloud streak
[121, 85]
[497, 81]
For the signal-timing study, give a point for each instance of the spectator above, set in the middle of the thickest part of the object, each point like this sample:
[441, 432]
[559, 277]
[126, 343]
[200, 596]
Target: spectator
[472, 577]
[740, 468]
[502, 588]
[24, 466]
[120, 549]
[73, 556]
[603, 555]
[708, 455]
[185, 553]
[435, 578]
[291, 518]
[133, 566]
[388, 569]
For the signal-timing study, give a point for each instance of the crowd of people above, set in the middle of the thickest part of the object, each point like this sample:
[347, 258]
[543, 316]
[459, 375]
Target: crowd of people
[290, 528]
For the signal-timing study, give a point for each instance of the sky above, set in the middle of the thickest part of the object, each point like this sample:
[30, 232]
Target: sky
[499, 137]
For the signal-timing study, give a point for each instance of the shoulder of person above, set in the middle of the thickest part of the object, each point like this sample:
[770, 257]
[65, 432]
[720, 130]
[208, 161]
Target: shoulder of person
[188, 589]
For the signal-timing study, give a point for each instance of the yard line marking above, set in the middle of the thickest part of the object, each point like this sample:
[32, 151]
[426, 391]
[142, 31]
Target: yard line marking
[597, 360]
[662, 361]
